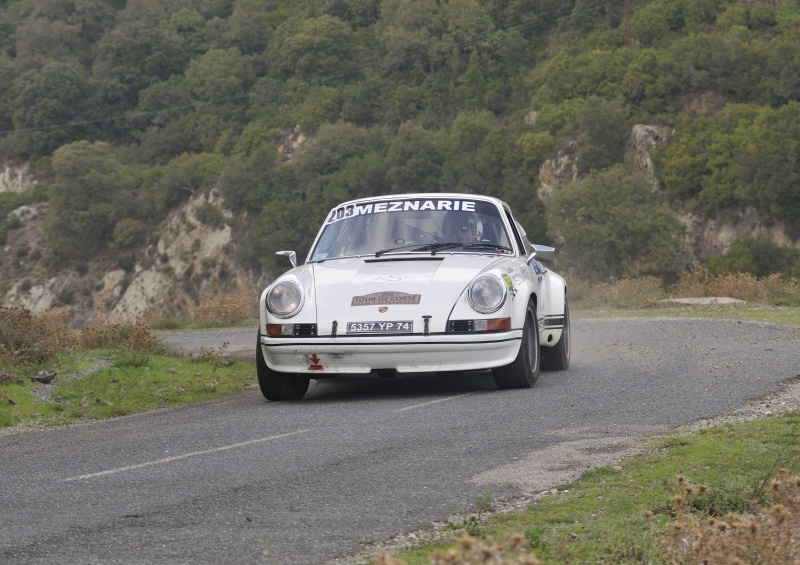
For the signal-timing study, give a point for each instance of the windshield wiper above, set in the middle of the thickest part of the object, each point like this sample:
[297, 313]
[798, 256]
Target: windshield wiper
[486, 245]
[432, 247]
[382, 251]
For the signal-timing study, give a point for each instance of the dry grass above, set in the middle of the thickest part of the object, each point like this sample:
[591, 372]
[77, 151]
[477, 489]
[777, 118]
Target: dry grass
[135, 336]
[774, 289]
[36, 338]
[233, 310]
[472, 550]
[625, 293]
[29, 338]
[764, 535]
[647, 292]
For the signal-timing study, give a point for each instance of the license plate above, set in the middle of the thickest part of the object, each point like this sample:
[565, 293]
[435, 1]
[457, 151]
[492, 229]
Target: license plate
[404, 327]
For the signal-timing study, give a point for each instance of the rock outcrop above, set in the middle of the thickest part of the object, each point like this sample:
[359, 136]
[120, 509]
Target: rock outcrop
[557, 173]
[705, 236]
[15, 179]
[188, 264]
[641, 143]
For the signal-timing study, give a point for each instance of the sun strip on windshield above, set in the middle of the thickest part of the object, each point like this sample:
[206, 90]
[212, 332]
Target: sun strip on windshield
[364, 208]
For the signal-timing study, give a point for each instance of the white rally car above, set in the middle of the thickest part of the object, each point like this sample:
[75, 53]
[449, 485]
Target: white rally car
[414, 283]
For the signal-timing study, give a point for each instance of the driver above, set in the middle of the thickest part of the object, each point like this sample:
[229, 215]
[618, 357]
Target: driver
[460, 227]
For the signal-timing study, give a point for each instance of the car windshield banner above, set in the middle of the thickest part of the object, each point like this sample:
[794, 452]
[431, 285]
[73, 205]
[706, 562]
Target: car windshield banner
[387, 206]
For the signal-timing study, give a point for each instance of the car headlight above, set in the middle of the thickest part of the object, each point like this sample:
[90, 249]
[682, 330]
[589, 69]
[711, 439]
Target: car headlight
[487, 294]
[285, 299]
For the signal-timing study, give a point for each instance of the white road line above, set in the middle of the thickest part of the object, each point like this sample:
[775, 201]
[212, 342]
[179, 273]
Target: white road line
[179, 457]
[432, 402]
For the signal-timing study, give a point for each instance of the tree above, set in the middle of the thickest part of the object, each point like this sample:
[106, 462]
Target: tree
[587, 15]
[247, 28]
[535, 147]
[359, 13]
[189, 25]
[218, 75]
[246, 182]
[414, 160]
[322, 104]
[46, 102]
[315, 49]
[652, 24]
[91, 193]
[362, 101]
[650, 83]
[359, 177]
[411, 32]
[604, 125]
[133, 56]
[468, 25]
[476, 150]
[40, 41]
[179, 179]
[333, 145]
[758, 255]
[772, 151]
[154, 12]
[611, 225]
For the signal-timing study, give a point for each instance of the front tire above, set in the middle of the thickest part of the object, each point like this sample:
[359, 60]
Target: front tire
[523, 372]
[556, 358]
[276, 385]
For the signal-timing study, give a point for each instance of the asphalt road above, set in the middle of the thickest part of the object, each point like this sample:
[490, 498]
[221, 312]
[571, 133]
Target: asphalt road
[242, 480]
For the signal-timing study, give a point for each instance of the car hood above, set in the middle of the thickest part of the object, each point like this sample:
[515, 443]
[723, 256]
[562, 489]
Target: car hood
[407, 286]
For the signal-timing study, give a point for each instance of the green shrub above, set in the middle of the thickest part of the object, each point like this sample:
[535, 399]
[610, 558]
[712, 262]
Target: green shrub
[760, 256]
[210, 215]
[612, 225]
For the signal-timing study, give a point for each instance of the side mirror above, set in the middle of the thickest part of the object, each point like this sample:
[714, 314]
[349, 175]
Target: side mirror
[544, 252]
[291, 255]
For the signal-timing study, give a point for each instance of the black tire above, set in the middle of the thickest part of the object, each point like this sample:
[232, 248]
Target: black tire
[278, 386]
[556, 358]
[523, 372]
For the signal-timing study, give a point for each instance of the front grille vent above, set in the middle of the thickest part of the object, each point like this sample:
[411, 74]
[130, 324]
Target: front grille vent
[460, 326]
[305, 330]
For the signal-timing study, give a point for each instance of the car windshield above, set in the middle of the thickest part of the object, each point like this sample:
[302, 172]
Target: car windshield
[412, 225]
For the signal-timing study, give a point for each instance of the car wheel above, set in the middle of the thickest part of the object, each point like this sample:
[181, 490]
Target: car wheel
[556, 358]
[276, 385]
[523, 372]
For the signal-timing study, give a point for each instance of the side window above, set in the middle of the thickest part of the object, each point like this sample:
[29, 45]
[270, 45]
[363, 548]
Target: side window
[521, 246]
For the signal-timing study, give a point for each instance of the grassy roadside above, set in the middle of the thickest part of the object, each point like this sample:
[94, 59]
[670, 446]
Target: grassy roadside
[53, 375]
[92, 384]
[685, 501]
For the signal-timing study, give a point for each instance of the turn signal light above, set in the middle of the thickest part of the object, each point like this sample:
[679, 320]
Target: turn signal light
[492, 324]
[277, 330]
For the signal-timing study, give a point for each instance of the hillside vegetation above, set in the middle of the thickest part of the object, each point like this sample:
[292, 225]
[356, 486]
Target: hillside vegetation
[124, 109]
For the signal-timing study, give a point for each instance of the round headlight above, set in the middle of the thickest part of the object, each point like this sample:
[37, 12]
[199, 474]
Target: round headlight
[285, 299]
[487, 294]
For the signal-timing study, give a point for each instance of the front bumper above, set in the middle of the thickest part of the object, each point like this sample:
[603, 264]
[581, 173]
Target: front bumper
[405, 354]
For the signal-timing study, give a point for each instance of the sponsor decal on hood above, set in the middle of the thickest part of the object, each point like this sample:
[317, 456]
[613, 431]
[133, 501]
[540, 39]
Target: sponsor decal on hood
[378, 298]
